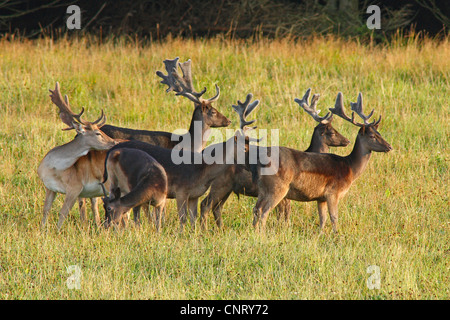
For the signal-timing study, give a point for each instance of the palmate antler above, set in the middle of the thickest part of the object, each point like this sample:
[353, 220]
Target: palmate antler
[356, 107]
[67, 115]
[243, 109]
[183, 85]
[311, 108]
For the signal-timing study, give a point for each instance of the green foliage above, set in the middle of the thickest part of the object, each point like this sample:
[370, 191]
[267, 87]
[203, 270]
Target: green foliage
[395, 216]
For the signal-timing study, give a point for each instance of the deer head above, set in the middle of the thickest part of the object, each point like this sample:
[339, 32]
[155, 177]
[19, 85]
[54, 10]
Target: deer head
[114, 212]
[88, 132]
[324, 131]
[183, 86]
[368, 134]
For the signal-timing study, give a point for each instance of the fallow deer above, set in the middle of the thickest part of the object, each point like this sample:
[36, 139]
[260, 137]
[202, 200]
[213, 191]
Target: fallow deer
[71, 168]
[204, 117]
[136, 178]
[239, 180]
[324, 178]
[187, 181]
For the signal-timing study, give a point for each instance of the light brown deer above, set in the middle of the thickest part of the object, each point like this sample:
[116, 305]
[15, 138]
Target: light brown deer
[239, 180]
[204, 117]
[71, 168]
[324, 178]
[135, 179]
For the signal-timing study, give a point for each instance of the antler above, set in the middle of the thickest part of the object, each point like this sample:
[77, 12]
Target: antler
[100, 121]
[67, 115]
[244, 109]
[104, 190]
[183, 85]
[186, 80]
[356, 107]
[171, 66]
[311, 108]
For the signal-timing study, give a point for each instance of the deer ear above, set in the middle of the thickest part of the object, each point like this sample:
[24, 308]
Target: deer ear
[205, 107]
[116, 193]
[322, 131]
[79, 128]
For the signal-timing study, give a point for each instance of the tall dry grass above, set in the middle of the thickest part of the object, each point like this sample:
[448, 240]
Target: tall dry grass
[395, 216]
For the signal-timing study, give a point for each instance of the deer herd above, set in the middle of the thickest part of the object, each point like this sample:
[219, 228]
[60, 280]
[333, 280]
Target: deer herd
[133, 169]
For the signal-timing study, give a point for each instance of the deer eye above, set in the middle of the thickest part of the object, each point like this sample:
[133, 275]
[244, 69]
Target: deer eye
[98, 133]
[109, 209]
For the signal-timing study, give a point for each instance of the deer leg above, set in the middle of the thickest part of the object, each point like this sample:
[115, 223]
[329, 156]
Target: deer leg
[217, 210]
[269, 203]
[49, 198]
[287, 209]
[321, 208]
[158, 211]
[146, 208]
[69, 201]
[137, 215]
[94, 207]
[265, 209]
[205, 207]
[82, 207]
[215, 202]
[193, 207]
[123, 223]
[333, 211]
[283, 210]
[163, 215]
[182, 211]
[257, 212]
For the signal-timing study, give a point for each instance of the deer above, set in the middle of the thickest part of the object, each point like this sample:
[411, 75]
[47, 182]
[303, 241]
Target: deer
[324, 178]
[204, 116]
[136, 178]
[188, 180]
[239, 180]
[74, 168]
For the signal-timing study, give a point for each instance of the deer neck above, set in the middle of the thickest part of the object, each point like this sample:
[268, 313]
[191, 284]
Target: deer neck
[221, 158]
[133, 198]
[198, 130]
[65, 156]
[358, 158]
[317, 145]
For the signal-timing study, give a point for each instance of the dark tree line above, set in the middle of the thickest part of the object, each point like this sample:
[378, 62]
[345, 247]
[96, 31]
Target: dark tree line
[239, 18]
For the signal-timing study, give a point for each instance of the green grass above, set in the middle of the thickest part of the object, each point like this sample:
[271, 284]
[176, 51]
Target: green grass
[396, 216]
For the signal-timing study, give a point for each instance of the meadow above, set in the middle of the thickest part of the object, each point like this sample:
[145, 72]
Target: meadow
[395, 217]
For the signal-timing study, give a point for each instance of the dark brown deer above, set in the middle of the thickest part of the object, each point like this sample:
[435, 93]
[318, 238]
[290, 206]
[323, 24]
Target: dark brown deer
[191, 178]
[204, 117]
[239, 180]
[324, 178]
[73, 168]
[135, 179]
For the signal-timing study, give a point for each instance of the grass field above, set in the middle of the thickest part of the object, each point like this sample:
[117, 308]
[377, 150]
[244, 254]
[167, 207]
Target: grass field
[395, 217]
